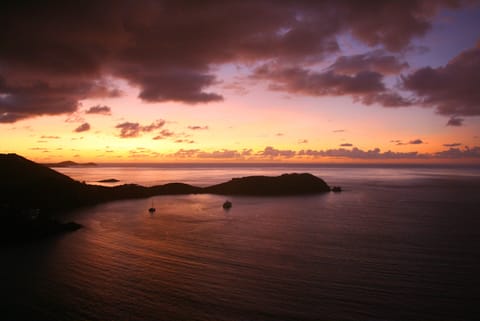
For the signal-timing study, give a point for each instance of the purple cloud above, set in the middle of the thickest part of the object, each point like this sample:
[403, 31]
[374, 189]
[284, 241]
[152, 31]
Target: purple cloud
[196, 127]
[455, 121]
[169, 49]
[129, 129]
[101, 110]
[164, 133]
[416, 142]
[451, 89]
[271, 152]
[452, 145]
[82, 128]
[376, 61]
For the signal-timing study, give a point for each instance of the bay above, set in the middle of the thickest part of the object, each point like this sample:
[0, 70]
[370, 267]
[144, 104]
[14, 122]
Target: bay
[400, 243]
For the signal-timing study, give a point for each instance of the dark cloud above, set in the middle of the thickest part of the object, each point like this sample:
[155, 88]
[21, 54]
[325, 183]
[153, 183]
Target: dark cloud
[452, 89]
[24, 98]
[399, 142]
[49, 137]
[302, 141]
[376, 153]
[129, 130]
[52, 56]
[102, 110]
[455, 121]
[271, 152]
[197, 127]
[376, 61]
[387, 98]
[339, 130]
[364, 86]
[346, 145]
[164, 133]
[303, 81]
[416, 142]
[392, 23]
[452, 145]
[356, 153]
[466, 152]
[82, 128]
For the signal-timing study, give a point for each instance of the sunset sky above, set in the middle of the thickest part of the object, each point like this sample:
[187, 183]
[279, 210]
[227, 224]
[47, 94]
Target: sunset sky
[238, 81]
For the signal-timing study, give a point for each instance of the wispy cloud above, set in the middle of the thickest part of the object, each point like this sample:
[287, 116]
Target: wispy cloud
[197, 127]
[129, 129]
[164, 133]
[455, 121]
[452, 145]
[100, 110]
[399, 142]
[184, 141]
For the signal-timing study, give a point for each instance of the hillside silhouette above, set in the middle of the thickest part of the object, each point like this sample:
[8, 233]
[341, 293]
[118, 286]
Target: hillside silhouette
[286, 184]
[26, 184]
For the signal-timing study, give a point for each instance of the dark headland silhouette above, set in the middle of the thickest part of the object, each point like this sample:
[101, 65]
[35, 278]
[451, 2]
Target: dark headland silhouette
[29, 191]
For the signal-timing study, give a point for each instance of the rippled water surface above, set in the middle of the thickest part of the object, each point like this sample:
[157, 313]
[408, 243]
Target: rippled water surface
[398, 244]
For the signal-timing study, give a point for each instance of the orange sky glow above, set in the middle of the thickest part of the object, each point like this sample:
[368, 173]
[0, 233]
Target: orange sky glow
[367, 100]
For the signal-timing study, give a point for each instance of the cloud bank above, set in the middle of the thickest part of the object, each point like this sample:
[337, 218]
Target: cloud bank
[53, 56]
[272, 153]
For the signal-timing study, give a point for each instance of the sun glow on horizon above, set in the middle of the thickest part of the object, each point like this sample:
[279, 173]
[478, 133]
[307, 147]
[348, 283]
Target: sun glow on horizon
[345, 97]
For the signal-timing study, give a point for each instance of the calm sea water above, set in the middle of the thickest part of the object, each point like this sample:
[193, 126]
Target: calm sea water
[401, 243]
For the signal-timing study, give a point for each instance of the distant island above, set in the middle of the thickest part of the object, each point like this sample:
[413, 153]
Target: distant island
[108, 180]
[27, 187]
[68, 164]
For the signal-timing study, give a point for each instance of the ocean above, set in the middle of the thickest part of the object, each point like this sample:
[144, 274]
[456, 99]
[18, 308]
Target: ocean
[399, 243]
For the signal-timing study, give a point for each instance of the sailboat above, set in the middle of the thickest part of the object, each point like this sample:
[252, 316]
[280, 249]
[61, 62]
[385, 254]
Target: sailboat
[227, 205]
[151, 209]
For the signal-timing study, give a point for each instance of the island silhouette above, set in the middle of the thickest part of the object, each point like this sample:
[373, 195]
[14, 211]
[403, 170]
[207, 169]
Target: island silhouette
[32, 192]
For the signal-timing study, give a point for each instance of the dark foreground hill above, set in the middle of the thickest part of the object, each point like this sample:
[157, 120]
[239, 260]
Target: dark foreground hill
[25, 184]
